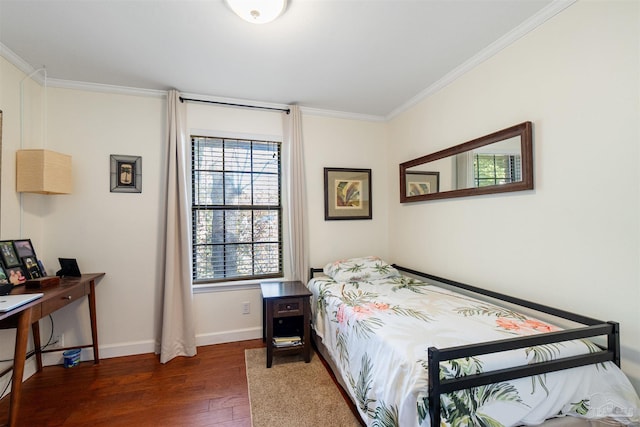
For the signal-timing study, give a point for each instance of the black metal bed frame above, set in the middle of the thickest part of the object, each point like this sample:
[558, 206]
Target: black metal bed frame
[593, 328]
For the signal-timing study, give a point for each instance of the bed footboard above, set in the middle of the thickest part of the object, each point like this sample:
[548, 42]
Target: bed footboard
[588, 328]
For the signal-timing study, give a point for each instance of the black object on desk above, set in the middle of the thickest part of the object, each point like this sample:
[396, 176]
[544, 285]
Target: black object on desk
[68, 268]
[5, 288]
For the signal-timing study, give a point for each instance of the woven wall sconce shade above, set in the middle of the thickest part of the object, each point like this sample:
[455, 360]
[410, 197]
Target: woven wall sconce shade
[43, 172]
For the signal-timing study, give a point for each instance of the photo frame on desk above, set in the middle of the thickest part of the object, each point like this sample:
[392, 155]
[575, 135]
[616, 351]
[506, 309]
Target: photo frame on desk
[31, 267]
[3, 277]
[5, 286]
[24, 248]
[9, 256]
[42, 269]
[16, 275]
[68, 268]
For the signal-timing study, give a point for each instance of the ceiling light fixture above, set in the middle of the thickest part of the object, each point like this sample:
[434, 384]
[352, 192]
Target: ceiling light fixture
[258, 11]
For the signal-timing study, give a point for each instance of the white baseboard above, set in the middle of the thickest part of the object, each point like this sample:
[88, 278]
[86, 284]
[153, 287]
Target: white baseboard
[229, 336]
[143, 347]
[124, 349]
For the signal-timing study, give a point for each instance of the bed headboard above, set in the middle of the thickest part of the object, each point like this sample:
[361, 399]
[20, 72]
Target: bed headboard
[314, 270]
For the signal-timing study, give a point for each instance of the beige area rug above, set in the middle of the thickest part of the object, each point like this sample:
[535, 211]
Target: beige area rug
[292, 392]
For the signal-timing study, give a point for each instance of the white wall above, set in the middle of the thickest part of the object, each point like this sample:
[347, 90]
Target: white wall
[116, 233]
[343, 143]
[577, 234]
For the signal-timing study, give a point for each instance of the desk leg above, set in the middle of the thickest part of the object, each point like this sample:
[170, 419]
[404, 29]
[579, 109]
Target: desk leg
[94, 322]
[19, 359]
[35, 329]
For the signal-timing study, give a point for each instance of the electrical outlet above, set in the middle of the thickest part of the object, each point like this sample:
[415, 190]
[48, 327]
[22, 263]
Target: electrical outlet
[246, 307]
[57, 341]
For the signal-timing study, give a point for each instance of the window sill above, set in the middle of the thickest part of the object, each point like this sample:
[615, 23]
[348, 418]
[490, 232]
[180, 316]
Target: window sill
[204, 288]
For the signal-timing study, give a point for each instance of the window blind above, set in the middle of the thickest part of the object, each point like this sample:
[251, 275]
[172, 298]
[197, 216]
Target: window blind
[237, 209]
[496, 169]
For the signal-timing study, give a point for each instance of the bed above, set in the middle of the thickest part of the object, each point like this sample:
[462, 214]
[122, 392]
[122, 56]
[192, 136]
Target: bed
[412, 349]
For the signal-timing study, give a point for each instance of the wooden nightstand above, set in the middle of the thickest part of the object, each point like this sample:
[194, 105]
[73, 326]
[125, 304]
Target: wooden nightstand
[286, 314]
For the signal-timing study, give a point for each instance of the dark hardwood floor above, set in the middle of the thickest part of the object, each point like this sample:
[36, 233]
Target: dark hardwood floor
[209, 389]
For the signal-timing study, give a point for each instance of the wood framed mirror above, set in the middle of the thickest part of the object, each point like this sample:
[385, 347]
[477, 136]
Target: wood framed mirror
[496, 163]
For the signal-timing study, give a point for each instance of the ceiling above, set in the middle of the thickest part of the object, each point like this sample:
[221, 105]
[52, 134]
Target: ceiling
[355, 56]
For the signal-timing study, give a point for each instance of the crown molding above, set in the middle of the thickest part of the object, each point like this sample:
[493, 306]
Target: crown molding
[511, 37]
[99, 87]
[20, 64]
[341, 114]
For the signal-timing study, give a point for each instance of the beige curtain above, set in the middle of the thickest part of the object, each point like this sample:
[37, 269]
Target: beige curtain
[178, 325]
[464, 170]
[298, 241]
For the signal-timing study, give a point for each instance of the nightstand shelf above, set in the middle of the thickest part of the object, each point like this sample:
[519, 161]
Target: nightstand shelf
[286, 314]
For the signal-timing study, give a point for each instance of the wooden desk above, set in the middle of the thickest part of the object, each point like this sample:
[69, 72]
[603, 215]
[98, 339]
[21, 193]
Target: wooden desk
[54, 298]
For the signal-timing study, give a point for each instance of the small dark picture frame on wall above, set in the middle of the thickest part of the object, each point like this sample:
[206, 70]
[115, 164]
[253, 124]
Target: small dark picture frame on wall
[126, 174]
[347, 194]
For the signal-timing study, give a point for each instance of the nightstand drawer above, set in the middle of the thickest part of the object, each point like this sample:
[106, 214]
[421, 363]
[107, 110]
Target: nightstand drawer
[288, 307]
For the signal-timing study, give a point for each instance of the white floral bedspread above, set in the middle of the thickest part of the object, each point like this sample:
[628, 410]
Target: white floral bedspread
[378, 333]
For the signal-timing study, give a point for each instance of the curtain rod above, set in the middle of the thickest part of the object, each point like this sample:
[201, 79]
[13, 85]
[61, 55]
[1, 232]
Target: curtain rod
[286, 110]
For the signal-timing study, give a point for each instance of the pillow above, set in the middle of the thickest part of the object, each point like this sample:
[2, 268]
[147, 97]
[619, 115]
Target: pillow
[360, 269]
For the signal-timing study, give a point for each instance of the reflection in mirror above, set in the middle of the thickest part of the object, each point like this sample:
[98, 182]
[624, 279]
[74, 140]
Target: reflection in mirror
[419, 182]
[495, 163]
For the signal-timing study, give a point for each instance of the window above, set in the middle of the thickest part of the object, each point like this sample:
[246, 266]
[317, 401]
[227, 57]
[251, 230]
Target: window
[496, 169]
[237, 209]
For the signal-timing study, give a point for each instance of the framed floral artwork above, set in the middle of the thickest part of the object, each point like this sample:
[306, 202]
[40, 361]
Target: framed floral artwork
[419, 183]
[347, 193]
